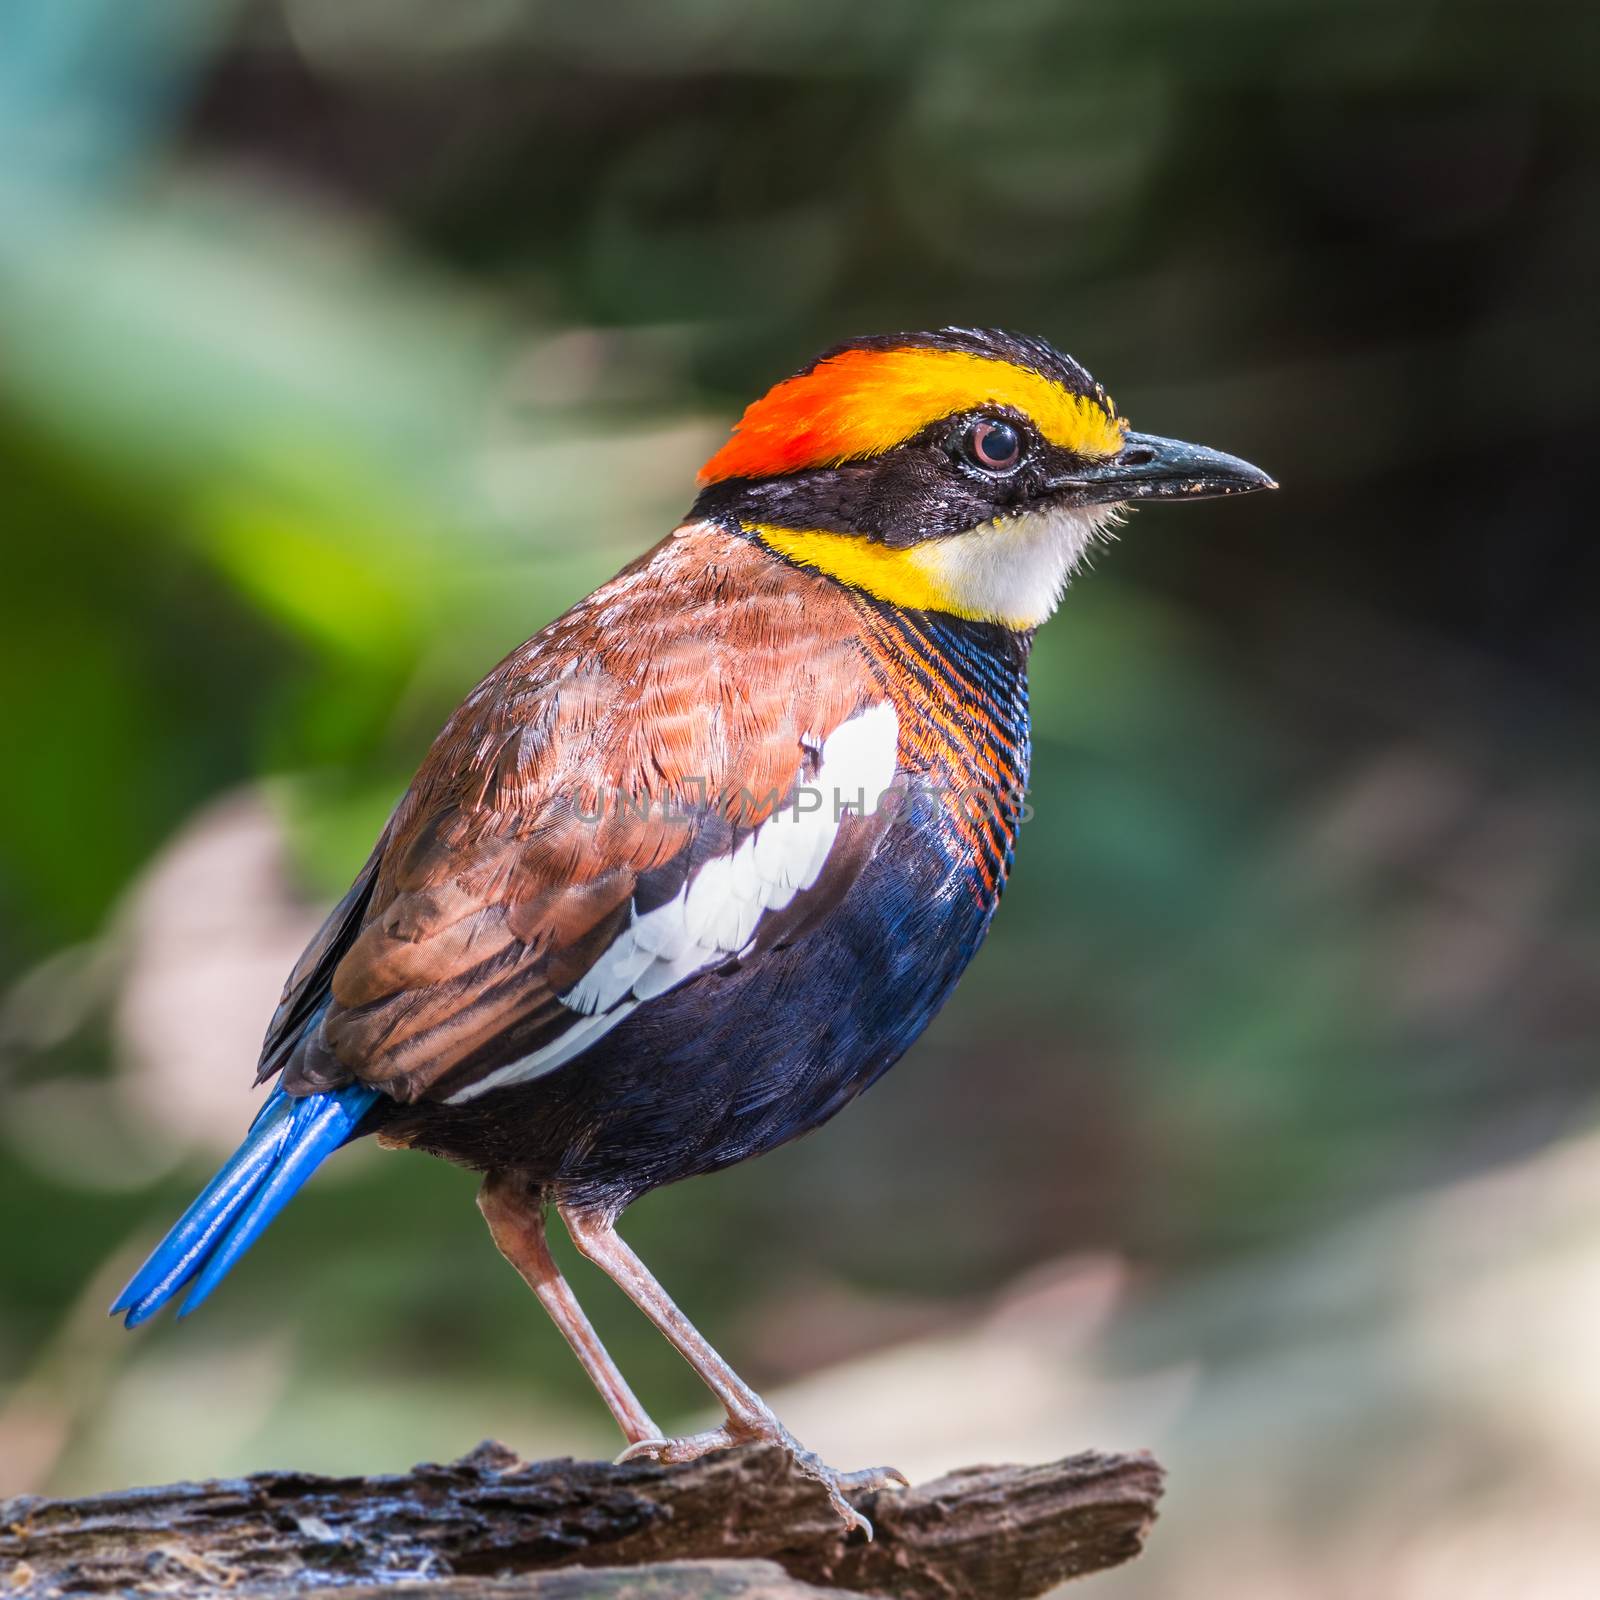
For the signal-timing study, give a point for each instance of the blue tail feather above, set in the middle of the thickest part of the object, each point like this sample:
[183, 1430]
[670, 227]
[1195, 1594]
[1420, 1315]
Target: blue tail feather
[287, 1142]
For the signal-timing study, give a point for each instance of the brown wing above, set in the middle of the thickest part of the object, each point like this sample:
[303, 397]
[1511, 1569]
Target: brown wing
[611, 764]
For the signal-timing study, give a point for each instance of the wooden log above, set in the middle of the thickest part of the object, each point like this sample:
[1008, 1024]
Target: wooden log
[739, 1524]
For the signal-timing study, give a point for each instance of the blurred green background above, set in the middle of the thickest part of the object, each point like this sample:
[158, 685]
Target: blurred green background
[342, 345]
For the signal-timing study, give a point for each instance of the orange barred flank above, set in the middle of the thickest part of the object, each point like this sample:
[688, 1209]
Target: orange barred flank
[863, 402]
[954, 735]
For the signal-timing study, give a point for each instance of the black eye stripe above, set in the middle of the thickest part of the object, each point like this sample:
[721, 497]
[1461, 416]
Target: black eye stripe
[926, 487]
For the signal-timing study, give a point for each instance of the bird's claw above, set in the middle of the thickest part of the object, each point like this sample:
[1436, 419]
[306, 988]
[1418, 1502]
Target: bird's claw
[674, 1452]
[690, 1447]
[640, 1450]
[867, 1480]
[863, 1481]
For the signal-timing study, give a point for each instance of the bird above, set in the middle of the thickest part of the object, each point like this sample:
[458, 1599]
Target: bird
[694, 865]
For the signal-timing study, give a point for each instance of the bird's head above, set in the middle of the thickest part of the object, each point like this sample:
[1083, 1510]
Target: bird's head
[965, 471]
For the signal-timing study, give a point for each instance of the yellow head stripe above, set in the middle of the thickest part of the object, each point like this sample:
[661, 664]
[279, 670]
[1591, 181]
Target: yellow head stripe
[864, 402]
[902, 576]
[1011, 572]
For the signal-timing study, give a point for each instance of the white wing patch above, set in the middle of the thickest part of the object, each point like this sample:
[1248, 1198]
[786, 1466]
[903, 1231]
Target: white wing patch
[715, 915]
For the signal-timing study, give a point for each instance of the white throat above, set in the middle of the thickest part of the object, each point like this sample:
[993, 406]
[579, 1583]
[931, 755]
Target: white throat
[1015, 570]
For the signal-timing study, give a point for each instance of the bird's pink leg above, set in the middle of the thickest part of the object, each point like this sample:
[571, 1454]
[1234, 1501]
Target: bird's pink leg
[749, 1418]
[516, 1223]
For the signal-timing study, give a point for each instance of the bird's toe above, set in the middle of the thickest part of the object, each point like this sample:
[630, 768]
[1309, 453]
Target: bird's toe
[641, 1450]
[866, 1479]
[689, 1447]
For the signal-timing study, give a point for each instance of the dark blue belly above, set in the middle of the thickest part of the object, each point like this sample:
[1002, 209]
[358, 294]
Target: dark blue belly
[738, 1061]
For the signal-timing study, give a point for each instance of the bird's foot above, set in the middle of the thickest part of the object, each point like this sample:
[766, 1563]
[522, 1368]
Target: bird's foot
[768, 1430]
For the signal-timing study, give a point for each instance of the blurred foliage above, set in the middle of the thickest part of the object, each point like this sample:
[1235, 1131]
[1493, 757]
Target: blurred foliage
[343, 345]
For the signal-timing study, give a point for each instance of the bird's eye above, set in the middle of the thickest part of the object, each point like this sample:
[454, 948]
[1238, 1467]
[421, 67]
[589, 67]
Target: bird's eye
[993, 445]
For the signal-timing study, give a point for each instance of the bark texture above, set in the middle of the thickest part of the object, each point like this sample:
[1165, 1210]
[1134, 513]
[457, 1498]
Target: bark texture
[737, 1526]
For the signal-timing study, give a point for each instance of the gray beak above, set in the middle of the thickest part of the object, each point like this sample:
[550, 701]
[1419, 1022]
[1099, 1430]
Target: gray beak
[1151, 468]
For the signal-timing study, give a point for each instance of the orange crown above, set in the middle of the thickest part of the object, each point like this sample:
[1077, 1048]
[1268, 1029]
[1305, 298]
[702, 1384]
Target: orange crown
[863, 402]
